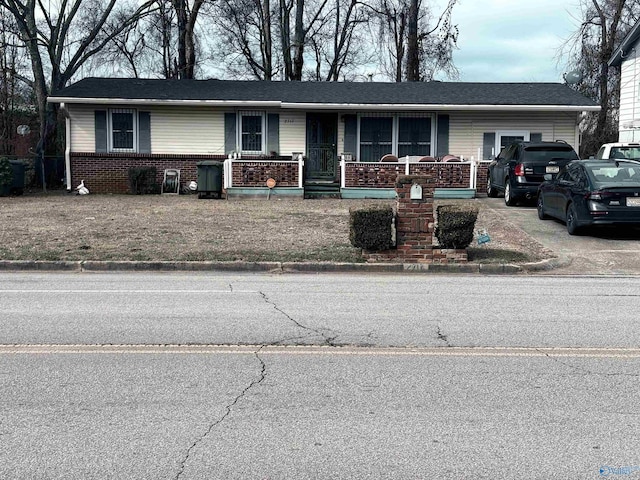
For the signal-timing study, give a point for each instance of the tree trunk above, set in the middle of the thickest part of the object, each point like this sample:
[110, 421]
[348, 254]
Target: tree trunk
[413, 51]
[181, 13]
[298, 42]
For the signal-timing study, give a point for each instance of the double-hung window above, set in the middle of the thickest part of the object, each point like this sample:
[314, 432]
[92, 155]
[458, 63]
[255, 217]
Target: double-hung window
[123, 130]
[376, 138]
[414, 136]
[399, 135]
[252, 128]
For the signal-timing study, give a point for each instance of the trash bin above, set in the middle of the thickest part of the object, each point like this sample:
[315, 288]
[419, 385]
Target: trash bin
[209, 179]
[17, 186]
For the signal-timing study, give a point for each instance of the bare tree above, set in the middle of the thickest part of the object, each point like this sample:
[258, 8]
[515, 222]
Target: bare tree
[304, 18]
[61, 37]
[246, 37]
[13, 92]
[338, 42]
[604, 23]
[411, 48]
[187, 15]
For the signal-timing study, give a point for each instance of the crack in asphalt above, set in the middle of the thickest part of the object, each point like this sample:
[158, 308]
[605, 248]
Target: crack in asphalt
[328, 340]
[228, 408]
[442, 336]
[586, 371]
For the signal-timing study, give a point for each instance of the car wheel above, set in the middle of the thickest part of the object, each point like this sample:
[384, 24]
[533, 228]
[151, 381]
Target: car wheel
[541, 213]
[509, 200]
[491, 191]
[572, 221]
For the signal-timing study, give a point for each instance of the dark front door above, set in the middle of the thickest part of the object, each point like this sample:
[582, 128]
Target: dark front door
[322, 157]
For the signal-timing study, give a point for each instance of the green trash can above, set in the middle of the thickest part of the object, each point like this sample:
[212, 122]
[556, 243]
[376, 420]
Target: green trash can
[17, 186]
[209, 179]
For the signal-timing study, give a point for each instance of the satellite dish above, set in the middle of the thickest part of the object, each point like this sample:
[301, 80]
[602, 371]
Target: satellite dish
[573, 77]
[23, 130]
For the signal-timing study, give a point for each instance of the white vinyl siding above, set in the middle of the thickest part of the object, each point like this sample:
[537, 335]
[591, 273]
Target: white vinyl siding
[197, 131]
[467, 129]
[293, 132]
[83, 130]
[630, 97]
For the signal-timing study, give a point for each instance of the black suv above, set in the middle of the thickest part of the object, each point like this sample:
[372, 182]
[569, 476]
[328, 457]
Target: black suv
[520, 168]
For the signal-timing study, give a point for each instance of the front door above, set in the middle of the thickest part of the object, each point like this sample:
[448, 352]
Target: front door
[322, 156]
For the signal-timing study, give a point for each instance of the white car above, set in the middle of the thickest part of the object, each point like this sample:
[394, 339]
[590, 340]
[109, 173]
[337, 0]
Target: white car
[629, 151]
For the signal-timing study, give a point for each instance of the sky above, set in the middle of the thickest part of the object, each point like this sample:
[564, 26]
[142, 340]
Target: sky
[512, 40]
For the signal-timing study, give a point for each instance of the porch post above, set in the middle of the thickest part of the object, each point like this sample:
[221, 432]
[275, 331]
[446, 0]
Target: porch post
[300, 171]
[472, 174]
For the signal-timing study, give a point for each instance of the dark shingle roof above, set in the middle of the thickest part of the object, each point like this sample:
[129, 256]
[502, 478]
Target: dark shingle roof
[333, 93]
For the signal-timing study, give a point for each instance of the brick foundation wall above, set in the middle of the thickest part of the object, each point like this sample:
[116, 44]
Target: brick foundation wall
[446, 175]
[372, 175]
[109, 172]
[384, 175]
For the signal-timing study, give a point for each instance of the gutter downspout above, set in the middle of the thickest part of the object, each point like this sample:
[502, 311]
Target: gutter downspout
[67, 148]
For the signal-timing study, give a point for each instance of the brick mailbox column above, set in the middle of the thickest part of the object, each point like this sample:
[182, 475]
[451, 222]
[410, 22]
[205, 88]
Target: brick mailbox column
[414, 218]
[415, 225]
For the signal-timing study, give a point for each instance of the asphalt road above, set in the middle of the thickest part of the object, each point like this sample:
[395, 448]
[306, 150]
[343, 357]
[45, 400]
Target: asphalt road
[603, 251]
[219, 376]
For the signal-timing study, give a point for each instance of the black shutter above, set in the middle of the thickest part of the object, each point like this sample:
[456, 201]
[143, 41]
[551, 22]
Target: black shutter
[101, 130]
[442, 142]
[351, 135]
[488, 144]
[229, 133]
[144, 132]
[273, 133]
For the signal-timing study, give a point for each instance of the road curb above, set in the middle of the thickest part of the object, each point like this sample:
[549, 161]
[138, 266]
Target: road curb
[281, 267]
[547, 264]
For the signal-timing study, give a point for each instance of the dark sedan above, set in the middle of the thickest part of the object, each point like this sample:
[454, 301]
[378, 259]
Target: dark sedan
[592, 192]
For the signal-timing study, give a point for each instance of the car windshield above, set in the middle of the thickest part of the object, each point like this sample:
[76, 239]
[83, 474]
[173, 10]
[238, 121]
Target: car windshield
[622, 175]
[548, 153]
[625, 152]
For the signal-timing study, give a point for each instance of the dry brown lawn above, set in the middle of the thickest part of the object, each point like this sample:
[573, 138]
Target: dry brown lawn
[61, 226]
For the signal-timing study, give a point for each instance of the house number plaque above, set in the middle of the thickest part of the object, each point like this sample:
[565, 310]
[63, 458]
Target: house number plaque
[416, 192]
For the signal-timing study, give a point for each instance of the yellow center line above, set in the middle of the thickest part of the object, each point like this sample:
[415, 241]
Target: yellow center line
[577, 352]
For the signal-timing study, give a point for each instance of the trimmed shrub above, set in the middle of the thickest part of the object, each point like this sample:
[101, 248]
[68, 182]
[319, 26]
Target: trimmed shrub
[370, 228]
[456, 225]
[142, 180]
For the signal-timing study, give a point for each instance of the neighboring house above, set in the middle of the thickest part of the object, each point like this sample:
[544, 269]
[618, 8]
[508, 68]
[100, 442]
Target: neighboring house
[627, 58]
[342, 130]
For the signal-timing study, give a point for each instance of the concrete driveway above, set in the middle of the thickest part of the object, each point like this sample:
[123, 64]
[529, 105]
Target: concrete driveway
[598, 252]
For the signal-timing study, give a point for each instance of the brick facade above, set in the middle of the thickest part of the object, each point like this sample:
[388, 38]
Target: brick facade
[482, 174]
[109, 172]
[256, 174]
[445, 175]
[384, 175]
[372, 175]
